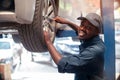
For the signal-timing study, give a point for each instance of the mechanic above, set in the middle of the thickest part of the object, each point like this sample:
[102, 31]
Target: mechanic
[89, 63]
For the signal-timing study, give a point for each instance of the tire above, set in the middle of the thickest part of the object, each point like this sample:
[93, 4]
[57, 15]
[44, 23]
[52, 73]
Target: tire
[31, 35]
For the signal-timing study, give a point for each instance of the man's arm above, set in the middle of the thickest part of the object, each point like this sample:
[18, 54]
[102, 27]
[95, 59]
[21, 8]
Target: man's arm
[56, 56]
[53, 52]
[64, 21]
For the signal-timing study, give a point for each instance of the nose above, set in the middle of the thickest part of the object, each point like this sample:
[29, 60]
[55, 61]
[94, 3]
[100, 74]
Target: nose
[82, 28]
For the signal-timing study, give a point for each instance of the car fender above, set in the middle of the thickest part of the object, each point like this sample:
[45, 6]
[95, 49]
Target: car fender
[24, 10]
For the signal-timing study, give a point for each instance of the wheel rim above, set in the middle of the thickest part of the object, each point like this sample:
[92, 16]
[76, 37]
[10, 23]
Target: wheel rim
[48, 13]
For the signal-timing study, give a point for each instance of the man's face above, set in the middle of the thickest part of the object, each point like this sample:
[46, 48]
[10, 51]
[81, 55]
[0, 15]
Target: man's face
[87, 30]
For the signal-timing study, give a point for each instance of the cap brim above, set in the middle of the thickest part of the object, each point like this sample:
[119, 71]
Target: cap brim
[81, 18]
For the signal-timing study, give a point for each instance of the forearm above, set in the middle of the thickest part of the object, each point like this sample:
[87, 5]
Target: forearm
[53, 52]
[72, 25]
[64, 21]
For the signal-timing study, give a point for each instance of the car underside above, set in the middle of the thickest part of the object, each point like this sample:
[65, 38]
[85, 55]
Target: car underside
[27, 23]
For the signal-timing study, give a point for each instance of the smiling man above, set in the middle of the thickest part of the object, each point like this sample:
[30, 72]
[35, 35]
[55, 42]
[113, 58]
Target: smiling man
[89, 63]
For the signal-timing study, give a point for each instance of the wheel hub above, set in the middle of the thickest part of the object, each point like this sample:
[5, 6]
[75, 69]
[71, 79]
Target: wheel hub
[47, 26]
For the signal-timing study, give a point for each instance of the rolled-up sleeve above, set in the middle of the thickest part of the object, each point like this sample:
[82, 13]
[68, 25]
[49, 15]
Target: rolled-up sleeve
[75, 63]
[69, 64]
[72, 63]
[61, 65]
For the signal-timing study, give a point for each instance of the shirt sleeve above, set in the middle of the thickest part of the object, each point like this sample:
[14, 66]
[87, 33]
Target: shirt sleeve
[74, 63]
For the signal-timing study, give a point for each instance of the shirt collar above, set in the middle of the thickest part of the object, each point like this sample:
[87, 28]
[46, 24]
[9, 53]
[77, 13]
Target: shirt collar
[91, 40]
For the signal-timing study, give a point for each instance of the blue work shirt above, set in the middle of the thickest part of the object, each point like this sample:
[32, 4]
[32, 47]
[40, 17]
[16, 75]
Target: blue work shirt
[88, 64]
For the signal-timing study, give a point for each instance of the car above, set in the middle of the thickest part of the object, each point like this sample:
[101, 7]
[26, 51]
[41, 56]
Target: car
[44, 56]
[67, 45]
[9, 53]
[25, 19]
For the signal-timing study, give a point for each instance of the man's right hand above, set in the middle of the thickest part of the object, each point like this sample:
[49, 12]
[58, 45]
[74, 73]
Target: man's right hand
[60, 20]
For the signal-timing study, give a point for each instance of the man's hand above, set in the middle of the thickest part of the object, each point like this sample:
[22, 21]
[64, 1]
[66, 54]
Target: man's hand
[46, 35]
[53, 52]
[60, 20]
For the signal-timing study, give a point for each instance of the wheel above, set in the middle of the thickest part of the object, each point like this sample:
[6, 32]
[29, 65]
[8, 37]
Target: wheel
[32, 34]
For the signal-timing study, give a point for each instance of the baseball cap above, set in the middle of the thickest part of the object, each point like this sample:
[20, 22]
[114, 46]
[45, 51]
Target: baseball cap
[93, 18]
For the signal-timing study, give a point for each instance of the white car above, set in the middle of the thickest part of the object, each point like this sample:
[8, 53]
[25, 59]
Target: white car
[28, 17]
[9, 52]
[67, 45]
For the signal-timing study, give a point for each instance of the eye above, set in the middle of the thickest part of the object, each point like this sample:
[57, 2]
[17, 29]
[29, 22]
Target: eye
[89, 27]
[81, 25]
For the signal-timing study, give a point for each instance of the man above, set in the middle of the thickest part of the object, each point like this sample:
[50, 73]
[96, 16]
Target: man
[89, 63]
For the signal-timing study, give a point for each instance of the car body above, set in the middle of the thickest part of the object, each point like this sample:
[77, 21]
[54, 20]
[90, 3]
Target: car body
[20, 14]
[9, 52]
[27, 18]
[67, 45]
